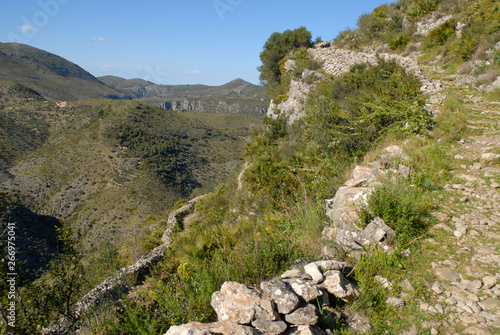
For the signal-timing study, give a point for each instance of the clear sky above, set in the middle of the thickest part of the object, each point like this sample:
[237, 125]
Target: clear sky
[170, 41]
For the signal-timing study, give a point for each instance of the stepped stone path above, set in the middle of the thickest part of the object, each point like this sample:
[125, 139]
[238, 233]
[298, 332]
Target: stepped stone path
[465, 297]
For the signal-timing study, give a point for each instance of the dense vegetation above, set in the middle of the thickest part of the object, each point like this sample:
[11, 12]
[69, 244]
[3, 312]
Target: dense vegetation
[253, 233]
[275, 50]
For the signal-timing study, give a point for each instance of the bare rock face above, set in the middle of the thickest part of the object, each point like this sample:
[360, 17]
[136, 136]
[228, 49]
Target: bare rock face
[238, 303]
[284, 297]
[224, 328]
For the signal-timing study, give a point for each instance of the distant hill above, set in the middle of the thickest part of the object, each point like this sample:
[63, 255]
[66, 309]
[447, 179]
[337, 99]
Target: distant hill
[54, 77]
[236, 96]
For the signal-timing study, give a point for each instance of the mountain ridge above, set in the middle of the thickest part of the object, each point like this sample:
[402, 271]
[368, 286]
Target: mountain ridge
[49, 74]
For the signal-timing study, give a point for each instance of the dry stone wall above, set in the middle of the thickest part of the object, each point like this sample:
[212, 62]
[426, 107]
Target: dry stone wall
[114, 286]
[337, 61]
[307, 294]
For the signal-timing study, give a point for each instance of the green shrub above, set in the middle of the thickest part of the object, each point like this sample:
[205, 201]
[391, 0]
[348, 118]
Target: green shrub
[280, 98]
[276, 48]
[421, 8]
[399, 42]
[402, 207]
[441, 34]
[346, 115]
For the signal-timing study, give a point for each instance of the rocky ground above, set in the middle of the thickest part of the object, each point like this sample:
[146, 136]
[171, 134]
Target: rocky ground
[464, 245]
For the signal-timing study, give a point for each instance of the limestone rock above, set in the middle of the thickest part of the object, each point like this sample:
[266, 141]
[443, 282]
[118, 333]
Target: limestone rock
[313, 270]
[240, 304]
[490, 157]
[436, 287]
[384, 282]
[338, 285]
[285, 299]
[478, 330]
[304, 289]
[396, 302]
[489, 282]
[329, 252]
[306, 315]
[395, 151]
[327, 265]
[270, 327]
[223, 328]
[305, 330]
[295, 273]
[342, 209]
[358, 323]
[490, 304]
[447, 274]
[311, 75]
[378, 230]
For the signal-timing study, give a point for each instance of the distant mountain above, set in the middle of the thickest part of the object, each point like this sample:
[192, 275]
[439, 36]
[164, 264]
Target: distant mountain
[54, 77]
[236, 96]
[139, 88]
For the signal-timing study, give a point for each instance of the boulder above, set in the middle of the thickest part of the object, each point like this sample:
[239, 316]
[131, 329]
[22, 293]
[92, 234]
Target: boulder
[343, 208]
[219, 328]
[240, 304]
[282, 294]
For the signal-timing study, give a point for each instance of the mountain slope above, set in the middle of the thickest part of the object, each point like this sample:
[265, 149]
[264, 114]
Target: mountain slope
[52, 76]
[109, 169]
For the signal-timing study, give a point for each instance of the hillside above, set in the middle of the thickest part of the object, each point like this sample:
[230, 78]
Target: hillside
[368, 204]
[237, 96]
[52, 76]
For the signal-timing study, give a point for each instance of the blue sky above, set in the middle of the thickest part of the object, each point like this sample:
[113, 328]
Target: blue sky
[170, 41]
